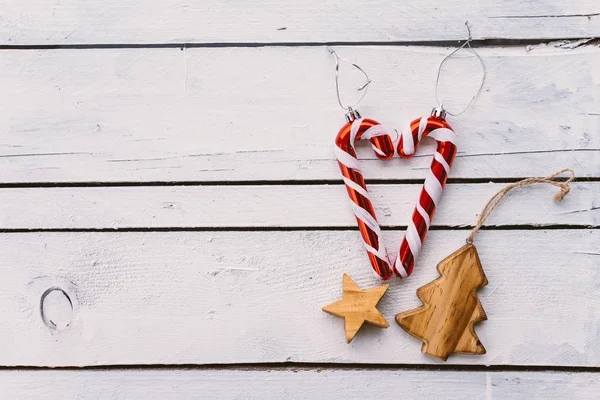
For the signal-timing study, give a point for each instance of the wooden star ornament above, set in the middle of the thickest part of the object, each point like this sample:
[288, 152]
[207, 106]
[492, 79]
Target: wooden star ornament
[357, 307]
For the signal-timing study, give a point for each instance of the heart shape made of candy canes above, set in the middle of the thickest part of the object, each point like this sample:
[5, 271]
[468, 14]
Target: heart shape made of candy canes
[345, 152]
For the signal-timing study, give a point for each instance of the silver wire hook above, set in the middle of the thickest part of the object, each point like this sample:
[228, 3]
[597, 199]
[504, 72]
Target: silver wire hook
[363, 88]
[467, 43]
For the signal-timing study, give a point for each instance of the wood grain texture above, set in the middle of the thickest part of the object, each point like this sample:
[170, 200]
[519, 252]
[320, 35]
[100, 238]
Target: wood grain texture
[38, 22]
[209, 114]
[450, 307]
[281, 206]
[358, 307]
[224, 297]
[355, 384]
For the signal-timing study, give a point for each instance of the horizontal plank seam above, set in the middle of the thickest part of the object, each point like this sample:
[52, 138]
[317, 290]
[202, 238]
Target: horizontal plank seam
[588, 16]
[491, 42]
[299, 228]
[303, 366]
[313, 182]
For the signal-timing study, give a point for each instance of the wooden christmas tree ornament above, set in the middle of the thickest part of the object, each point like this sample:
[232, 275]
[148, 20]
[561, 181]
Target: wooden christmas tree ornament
[451, 307]
[450, 303]
[357, 307]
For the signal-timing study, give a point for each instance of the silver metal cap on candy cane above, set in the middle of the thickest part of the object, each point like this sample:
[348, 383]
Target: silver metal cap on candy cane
[439, 112]
[352, 114]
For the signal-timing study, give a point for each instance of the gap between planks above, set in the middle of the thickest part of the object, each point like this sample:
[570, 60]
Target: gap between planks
[586, 41]
[305, 366]
[314, 182]
[300, 229]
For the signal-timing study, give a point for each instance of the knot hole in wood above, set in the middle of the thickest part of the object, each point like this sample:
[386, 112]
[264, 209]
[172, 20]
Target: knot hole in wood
[56, 309]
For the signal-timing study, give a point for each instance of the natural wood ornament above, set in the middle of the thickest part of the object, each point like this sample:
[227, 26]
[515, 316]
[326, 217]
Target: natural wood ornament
[451, 307]
[357, 307]
[450, 303]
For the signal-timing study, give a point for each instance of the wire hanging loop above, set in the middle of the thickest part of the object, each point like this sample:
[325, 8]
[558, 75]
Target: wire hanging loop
[467, 43]
[363, 88]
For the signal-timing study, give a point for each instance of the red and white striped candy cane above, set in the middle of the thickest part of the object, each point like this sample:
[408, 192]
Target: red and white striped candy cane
[356, 129]
[437, 128]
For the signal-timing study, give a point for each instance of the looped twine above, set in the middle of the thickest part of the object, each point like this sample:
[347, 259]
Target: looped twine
[493, 202]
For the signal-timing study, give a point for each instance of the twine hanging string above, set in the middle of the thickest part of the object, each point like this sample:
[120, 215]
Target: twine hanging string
[493, 202]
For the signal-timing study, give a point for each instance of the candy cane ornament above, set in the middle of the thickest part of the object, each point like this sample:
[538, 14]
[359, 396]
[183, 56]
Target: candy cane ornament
[358, 306]
[358, 128]
[437, 128]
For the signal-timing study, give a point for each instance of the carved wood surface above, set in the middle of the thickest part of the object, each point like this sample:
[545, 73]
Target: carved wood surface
[450, 307]
[358, 306]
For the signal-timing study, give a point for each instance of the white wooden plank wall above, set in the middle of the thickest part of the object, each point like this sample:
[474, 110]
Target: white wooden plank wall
[289, 206]
[246, 114]
[297, 384]
[246, 297]
[168, 166]
[38, 22]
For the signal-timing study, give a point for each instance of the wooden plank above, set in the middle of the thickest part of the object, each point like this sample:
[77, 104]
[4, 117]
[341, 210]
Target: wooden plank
[236, 297]
[297, 383]
[37, 22]
[281, 206]
[271, 113]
